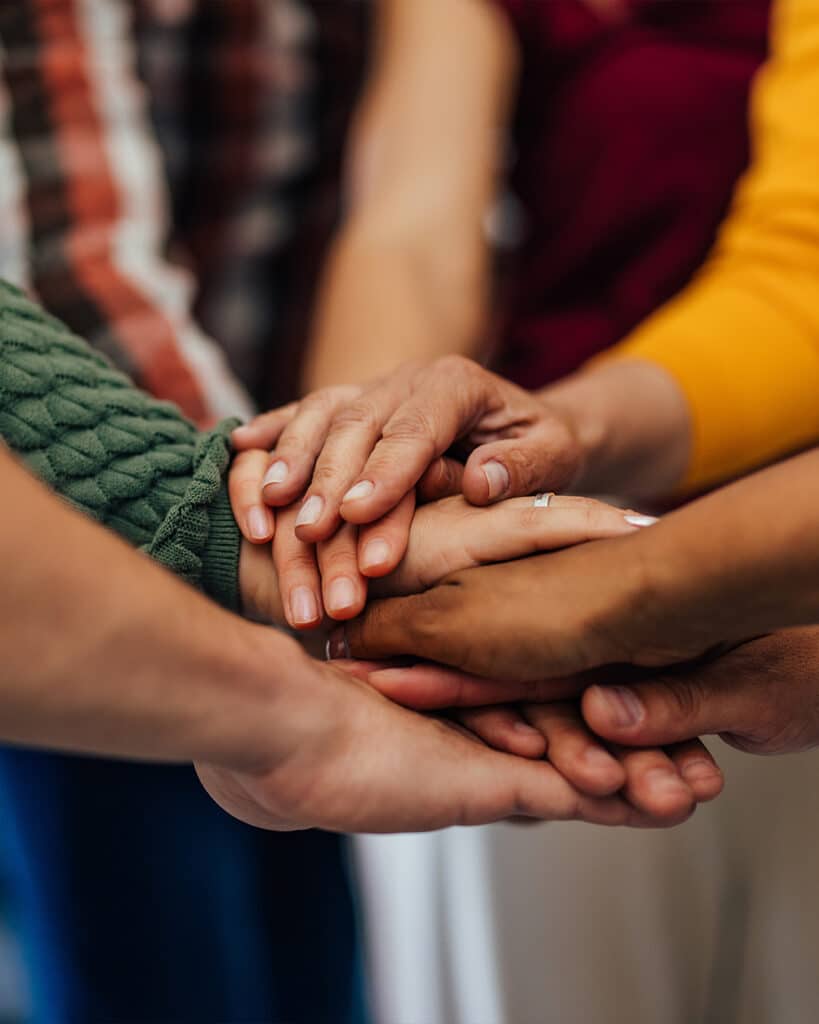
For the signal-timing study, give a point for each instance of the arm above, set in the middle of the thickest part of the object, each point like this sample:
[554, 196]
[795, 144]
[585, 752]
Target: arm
[408, 274]
[79, 133]
[725, 377]
[737, 563]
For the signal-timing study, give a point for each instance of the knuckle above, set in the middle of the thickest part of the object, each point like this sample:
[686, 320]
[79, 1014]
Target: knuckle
[685, 697]
[416, 428]
[358, 415]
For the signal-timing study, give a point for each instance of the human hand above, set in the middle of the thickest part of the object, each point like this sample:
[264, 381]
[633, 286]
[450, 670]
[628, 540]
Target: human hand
[382, 441]
[761, 697]
[330, 752]
[663, 784]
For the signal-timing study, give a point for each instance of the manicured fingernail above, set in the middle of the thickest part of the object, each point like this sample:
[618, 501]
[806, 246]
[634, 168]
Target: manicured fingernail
[497, 478]
[624, 706]
[303, 606]
[258, 524]
[341, 594]
[310, 511]
[337, 646]
[698, 771]
[276, 474]
[641, 520]
[359, 491]
[376, 552]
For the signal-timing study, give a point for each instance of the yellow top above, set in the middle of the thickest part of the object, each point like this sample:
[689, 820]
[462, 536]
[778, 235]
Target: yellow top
[742, 339]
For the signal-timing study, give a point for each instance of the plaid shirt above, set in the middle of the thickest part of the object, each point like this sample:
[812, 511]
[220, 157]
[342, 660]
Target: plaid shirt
[151, 159]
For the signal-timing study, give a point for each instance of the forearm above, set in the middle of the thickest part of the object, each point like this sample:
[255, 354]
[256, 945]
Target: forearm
[387, 298]
[741, 561]
[105, 652]
[632, 425]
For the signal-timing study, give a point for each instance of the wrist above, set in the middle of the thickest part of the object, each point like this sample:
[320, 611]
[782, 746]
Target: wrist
[632, 427]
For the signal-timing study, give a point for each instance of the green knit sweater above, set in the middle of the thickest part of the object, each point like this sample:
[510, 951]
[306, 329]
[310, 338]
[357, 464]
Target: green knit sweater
[130, 461]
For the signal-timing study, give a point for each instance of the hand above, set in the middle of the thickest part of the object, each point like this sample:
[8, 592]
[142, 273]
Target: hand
[664, 785]
[762, 697]
[338, 755]
[383, 441]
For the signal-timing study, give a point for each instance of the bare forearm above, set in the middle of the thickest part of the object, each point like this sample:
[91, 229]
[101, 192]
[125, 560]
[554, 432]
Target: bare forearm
[633, 427]
[103, 651]
[386, 300]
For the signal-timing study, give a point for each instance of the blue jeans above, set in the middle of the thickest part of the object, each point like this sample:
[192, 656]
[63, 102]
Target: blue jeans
[137, 900]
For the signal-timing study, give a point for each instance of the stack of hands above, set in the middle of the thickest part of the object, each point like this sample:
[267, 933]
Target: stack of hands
[535, 631]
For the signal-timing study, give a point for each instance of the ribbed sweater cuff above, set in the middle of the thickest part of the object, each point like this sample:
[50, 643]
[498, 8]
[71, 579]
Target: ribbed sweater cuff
[220, 558]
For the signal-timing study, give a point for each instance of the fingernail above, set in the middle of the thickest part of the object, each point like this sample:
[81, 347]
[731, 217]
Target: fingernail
[641, 520]
[624, 706]
[359, 491]
[258, 524]
[525, 729]
[696, 771]
[376, 552]
[337, 646]
[310, 511]
[303, 606]
[341, 594]
[598, 759]
[497, 478]
[276, 474]
[665, 779]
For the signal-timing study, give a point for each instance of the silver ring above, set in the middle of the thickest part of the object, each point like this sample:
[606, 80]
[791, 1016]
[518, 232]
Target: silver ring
[543, 500]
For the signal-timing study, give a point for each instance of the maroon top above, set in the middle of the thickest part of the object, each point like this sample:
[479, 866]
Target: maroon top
[630, 136]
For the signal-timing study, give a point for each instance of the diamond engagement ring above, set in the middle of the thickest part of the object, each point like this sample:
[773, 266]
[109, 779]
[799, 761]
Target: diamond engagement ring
[543, 500]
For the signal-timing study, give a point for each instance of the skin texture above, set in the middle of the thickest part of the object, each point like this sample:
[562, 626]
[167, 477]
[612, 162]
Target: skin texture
[278, 739]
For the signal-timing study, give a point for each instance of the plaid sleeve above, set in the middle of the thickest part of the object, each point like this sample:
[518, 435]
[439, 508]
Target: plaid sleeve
[83, 200]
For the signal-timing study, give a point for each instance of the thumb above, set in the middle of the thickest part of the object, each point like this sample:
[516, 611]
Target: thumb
[396, 626]
[546, 457]
[671, 708]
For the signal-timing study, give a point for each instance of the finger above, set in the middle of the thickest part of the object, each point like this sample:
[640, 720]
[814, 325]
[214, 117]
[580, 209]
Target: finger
[672, 708]
[544, 458]
[300, 442]
[263, 431]
[343, 587]
[298, 575]
[446, 401]
[442, 479]
[696, 765]
[503, 728]
[383, 544]
[515, 527]
[578, 755]
[255, 520]
[654, 786]
[432, 687]
[354, 432]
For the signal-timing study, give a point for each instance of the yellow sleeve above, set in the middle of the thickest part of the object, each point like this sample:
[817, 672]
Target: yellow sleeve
[742, 339]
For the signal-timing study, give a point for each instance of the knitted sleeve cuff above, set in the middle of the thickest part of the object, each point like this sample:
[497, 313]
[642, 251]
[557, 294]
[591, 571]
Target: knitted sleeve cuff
[220, 559]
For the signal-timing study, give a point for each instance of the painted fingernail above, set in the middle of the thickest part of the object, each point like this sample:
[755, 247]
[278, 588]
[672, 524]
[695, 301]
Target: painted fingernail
[341, 594]
[625, 707]
[303, 605]
[310, 511]
[641, 520]
[276, 474]
[497, 478]
[376, 552]
[337, 646]
[359, 491]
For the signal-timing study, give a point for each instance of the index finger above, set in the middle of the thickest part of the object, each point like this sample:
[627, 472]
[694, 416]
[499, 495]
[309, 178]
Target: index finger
[442, 408]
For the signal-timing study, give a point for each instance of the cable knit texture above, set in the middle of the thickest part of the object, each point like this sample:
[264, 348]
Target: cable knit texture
[130, 461]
